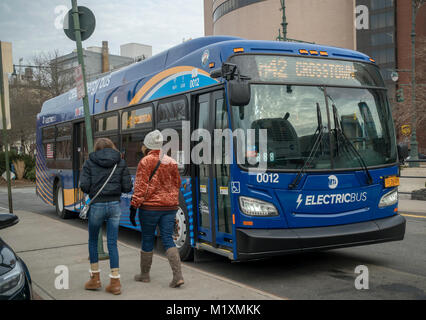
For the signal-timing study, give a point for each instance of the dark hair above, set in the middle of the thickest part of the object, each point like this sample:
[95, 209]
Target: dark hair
[102, 143]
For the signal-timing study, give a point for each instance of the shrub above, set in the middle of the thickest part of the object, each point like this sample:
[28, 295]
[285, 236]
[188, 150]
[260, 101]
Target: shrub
[13, 156]
[31, 175]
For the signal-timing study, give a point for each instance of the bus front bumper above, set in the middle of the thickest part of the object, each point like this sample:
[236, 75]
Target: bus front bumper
[261, 243]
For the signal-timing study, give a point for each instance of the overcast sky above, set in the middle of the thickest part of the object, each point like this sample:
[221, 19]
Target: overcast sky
[32, 25]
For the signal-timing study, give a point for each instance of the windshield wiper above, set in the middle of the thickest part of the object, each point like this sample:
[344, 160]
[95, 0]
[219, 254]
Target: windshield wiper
[318, 141]
[348, 145]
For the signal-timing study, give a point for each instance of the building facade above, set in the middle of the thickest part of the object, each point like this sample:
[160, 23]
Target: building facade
[137, 51]
[403, 114]
[385, 36]
[327, 22]
[93, 62]
[388, 40]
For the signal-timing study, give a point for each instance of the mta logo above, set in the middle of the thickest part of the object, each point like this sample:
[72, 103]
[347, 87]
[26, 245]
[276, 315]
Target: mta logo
[333, 182]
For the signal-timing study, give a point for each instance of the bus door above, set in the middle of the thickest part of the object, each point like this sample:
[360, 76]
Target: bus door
[80, 154]
[213, 178]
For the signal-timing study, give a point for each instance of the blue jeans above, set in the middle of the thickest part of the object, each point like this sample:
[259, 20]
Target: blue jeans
[149, 221]
[99, 212]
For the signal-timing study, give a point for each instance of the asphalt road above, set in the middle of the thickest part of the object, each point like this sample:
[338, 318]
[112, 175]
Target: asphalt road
[396, 270]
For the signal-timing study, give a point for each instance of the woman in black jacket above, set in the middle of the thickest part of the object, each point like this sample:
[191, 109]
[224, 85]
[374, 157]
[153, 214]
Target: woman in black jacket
[106, 206]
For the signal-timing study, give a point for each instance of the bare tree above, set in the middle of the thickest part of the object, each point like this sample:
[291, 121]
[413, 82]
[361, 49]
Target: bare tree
[50, 74]
[27, 95]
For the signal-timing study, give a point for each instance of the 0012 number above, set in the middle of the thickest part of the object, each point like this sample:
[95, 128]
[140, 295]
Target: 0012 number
[267, 178]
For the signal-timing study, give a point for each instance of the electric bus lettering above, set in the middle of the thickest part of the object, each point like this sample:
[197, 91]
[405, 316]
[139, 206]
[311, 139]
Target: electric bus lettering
[329, 199]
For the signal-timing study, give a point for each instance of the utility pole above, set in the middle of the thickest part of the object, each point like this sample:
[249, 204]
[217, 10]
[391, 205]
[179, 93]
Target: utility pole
[88, 123]
[89, 134]
[284, 25]
[414, 145]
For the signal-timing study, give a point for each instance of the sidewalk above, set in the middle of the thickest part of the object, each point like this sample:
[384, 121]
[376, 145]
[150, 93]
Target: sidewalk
[411, 206]
[44, 243]
[411, 184]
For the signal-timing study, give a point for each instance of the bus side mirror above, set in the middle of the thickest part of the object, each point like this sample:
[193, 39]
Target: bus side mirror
[238, 87]
[216, 73]
[402, 152]
[239, 92]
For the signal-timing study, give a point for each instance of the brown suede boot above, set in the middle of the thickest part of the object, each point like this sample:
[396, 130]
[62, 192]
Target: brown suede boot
[146, 261]
[115, 286]
[174, 260]
[94, 282]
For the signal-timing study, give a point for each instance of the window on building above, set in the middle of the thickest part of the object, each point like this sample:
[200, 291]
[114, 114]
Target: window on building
[381, 4]
[382, 20]
[379, 39]
[384, 56]
[229, 6]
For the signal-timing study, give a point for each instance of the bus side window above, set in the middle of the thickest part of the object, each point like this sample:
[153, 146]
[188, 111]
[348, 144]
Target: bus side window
[136, 123]
[63, 142]
[222, 170]
[172, 110]
[131, 144]
[170, 114]
[48, 138]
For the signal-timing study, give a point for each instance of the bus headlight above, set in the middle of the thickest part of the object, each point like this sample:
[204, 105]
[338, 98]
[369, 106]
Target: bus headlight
[257, 208]
[389, 199]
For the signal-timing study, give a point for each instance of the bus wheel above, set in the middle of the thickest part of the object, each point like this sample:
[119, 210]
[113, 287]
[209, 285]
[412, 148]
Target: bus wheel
[59, 203]
[181, 235]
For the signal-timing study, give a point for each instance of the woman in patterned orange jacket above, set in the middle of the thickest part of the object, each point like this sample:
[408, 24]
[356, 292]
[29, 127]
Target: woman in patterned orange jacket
[156, 194]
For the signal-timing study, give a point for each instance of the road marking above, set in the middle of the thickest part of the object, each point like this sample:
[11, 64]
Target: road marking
[413, 216]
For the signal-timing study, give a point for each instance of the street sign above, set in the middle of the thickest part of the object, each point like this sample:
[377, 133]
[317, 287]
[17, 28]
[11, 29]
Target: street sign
[6, 52]
[79, 82]
[87, 23]
[406, 130]
[7, 67]
[394, 76]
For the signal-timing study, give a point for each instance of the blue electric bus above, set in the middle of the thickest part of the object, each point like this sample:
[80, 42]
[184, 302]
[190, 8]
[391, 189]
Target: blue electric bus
[331, 177]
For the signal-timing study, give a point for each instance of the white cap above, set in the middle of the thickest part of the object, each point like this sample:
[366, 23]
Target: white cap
[153, 140]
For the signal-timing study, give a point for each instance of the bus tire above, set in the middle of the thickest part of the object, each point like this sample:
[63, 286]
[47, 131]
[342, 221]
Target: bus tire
[181, 235]
[59, 203]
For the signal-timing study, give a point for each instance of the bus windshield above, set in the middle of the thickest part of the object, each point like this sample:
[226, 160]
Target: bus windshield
[292, 115]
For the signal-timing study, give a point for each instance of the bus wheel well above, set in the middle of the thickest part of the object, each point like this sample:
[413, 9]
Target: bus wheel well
[59, 200]
[56, 182]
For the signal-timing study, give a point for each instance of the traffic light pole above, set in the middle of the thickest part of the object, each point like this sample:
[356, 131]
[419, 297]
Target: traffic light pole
[76, 18]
